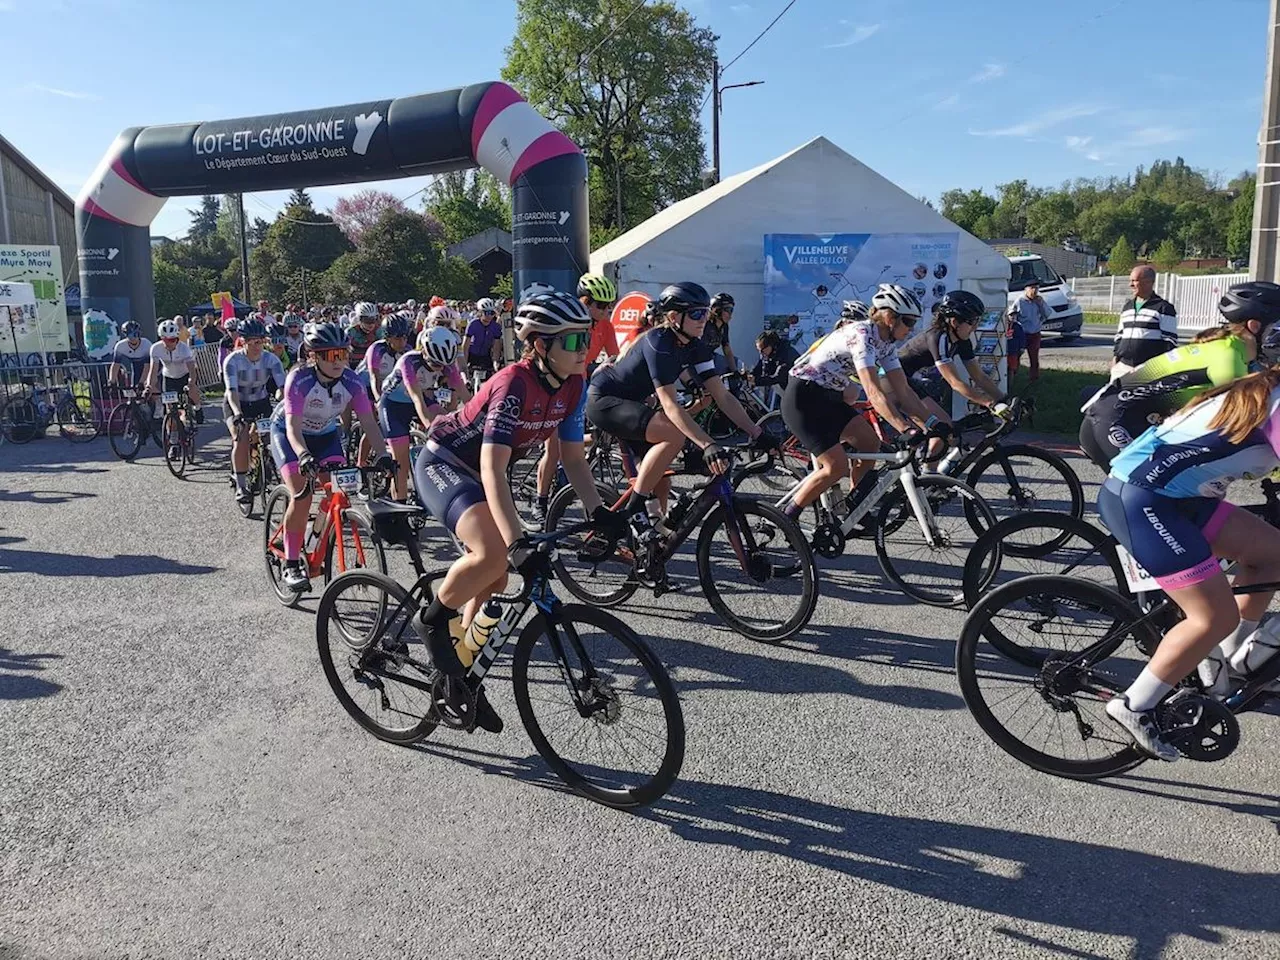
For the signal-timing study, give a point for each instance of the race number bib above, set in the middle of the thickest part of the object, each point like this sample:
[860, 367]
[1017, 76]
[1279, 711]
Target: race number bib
[264, 426]
[169, 397]
[348, 481]
[443, 396]
[1134, 574]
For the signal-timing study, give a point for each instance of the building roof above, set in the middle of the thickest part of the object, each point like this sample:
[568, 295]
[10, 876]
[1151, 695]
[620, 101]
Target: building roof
[60, 196]
[481, 244]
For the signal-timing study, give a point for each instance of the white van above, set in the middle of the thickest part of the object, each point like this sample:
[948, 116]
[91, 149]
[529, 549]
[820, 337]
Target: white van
[1066, 316]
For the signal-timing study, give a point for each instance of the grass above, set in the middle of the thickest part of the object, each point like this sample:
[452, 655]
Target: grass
[1058, 395]
[1101, 319]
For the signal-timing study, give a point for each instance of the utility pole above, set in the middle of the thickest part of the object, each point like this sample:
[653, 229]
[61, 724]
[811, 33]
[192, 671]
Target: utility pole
[244, 249]
[715, 118]
[1263, 261]
[304, 288]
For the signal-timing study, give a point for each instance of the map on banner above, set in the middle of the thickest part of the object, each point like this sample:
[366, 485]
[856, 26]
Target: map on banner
[808, 276]
[41, 267]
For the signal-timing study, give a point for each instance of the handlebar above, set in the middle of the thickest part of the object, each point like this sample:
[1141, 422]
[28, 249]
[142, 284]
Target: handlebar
[538, 563]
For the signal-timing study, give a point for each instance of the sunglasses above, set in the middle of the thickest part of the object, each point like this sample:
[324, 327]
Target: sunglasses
[907, 322]
[698, 314]
[490, 313]
[573, 342]
[332, 355]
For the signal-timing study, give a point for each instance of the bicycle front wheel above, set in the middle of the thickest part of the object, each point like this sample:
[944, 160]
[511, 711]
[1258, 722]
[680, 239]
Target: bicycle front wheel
[273, 544]
[173, 438]
[1046, 707]
[598, 706]
[930, 568]
[604, 582]
[125, 431]
[77, 420]
[757, 570]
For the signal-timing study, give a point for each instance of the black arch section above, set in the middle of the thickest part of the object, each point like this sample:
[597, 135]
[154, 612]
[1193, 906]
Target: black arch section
[484, 124]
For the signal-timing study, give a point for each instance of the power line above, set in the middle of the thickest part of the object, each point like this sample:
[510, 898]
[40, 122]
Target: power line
[760, 37]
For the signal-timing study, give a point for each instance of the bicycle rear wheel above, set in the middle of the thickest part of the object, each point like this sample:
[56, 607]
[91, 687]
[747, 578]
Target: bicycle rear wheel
[77, 420]
[125, 431]
[19, 420]
[1017, 478]
[253, 480]
[606, 582]
[1041, 707]
[598, 706]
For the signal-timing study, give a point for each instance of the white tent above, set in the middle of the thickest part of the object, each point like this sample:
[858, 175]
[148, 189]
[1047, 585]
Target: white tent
[716, 237]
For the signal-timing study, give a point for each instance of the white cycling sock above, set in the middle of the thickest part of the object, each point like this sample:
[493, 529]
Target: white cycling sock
[1145, 692]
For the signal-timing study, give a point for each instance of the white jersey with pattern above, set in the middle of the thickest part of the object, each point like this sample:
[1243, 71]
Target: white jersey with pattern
[835, 360]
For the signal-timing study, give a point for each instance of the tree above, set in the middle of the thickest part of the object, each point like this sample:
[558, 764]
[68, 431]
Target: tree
[178, 289]
[1010, 216]
[965, 209]
[1122, 257]
[204, 221]
[626, 83]
[1240, 226]
[464, 204]
[1052, 218]
[501, 289]
[299, 198]
[301, 237]
[258, 231]
[398, 257]
[1167, 256]
[984, 228]
[357, 213]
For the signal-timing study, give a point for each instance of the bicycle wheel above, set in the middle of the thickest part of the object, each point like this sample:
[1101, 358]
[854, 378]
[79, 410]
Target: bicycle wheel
[757, 570]
[270, 476]
[1019, 478]
[125, 431]
[273, 544]
[361, 547]
[1046, 543]
[1042, 708]
[598, 706]
[931, 573]
[253, 480]
[19, 420]
[602, 583]
[76, 420]
[375, 664]
[173, 441]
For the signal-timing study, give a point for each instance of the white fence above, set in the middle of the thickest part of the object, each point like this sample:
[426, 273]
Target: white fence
[1195, 298]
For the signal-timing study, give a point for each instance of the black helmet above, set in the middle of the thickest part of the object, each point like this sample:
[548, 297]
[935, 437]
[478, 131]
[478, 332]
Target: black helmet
[253, 328]
[1254, 300]
[397, 325]
[683, 297]
[326, 336]
[278, 333]
[722, 300]
[962, 305]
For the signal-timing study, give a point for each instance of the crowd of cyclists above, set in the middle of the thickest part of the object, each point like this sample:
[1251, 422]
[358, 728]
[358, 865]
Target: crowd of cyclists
[1171, 435]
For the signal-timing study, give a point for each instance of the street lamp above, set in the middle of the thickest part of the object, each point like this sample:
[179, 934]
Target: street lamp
[717, 92]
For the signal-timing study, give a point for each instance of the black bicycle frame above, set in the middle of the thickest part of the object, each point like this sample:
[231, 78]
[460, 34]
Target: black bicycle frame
[717, 491]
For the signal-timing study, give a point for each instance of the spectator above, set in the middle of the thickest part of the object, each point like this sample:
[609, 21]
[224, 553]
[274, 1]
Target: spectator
[212, 333]
[1030, 311]
[773, 369]
[1148, 324]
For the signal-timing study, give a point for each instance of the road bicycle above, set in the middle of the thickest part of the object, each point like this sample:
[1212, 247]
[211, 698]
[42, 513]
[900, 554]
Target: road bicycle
[604, 457]
[597, 704]
[1039, 658]
[177, 431]
[69, 405]
[131, 424]
[262, 476]
[338, 538]
[754, 565]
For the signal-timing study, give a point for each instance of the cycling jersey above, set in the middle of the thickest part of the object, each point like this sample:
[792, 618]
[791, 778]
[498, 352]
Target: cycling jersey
[133, 358]
[252, 380]
[656, 359]
[319, 405]
[515, 409]
[412, 367]
[926, 351]
[361, 341]
[834, 362]
[380, 359]
[604, 339]
[173, 363]
[294, 344]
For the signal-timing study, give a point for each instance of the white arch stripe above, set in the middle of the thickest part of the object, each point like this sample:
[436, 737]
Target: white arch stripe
[519, 125]
[119, 198]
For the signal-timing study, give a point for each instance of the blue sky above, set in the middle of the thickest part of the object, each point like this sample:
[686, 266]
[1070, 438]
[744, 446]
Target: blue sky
[931, 93]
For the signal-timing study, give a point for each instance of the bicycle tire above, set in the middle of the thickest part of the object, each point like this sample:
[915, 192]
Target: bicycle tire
[272, 517]
[270, 477]
[620, 582]
[19, 420]
[253, 480]
[370, 543]
[173, 437]
[986, 557]
[977, 628]
[995, 472]
[800, 558]
[896, 515]
[76, 423]
[655, 678]
[124, 432]
[327, 616]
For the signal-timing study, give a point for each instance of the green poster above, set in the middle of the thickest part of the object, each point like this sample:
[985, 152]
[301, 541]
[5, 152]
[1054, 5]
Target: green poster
[40, 266]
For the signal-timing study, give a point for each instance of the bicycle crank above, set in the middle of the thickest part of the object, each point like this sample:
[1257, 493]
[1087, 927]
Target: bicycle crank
[454, 702]
[828, 541]
[1200, 727]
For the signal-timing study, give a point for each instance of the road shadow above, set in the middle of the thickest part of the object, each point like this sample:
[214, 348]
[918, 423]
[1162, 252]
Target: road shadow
[16, 680]
[42, 496]
[1247, 802]
[51, 468]
[46, 564]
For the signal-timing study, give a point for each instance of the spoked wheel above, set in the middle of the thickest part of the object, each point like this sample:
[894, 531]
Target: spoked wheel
[77, 419]
[270, 476]
[173, 442]
[1045, 706]
[254, 482]
[598, 706]
[1014, 479]
[375, 664]
[930, 569]
[757, 571]
[361, 548]
[1041, 543]
[273, 544]
[19, 420]
[604, 582]
[789, 464]
[125, 431]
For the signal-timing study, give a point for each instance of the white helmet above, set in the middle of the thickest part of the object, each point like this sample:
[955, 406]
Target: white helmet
[168, 330]
[366, 311]
[485, 305]
[898, 299]
[231, 324]
[551, 314]
[439, 345]
[535, 289]
[445, 315]
[411, 304]
[179, 318]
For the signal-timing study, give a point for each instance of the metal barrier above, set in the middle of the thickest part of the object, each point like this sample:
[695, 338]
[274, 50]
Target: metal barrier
[1195, 298]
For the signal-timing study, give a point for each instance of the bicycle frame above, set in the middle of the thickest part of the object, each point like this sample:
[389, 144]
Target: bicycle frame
[333, 502]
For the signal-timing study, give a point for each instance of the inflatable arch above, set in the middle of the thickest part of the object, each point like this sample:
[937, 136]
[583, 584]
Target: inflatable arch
[485, 124]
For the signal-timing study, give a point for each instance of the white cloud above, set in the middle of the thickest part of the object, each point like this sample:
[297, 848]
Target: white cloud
[8, 6]
[864, 32]
[1040, 123]
[989, 71]
[1083, 146]
[57, 91]
[1139, 138]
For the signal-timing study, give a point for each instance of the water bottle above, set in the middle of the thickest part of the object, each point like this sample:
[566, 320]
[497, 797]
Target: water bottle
[478, 633]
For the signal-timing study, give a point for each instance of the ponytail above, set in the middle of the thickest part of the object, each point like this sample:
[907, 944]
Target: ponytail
[1221, 332]
[1246, 404]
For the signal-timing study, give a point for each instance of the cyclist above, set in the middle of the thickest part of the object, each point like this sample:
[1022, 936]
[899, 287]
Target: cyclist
[293, 324]
[133, 353]
[1133, 401]
[462, 475]
[716, 334]
[482, 340]
[364, 331]
[305, 439]
[598, 294]
[176, 361]
[852, 310]
[252, 375]
[617, 398]
[1164, 501]
[278, 338]
[929, 359]
[773, 369]
[826, 381]
[443, 315]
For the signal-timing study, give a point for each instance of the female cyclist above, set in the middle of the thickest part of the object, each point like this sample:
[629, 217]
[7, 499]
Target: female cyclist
[929, 359]
[462, 475]
[305, 439]
[1165, 383]
[252, 375]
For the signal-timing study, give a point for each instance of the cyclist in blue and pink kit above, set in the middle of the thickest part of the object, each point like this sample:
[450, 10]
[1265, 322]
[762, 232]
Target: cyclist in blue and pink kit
[305, 440]
[1165, 502]
[462, 475]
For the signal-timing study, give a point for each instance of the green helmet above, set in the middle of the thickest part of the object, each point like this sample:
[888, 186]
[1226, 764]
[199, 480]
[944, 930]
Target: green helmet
[598, 288]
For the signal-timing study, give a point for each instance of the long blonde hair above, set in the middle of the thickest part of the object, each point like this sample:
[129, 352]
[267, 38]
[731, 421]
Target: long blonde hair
[1246, 404]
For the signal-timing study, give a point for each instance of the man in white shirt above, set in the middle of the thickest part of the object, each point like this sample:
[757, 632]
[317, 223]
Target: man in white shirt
[175, 363]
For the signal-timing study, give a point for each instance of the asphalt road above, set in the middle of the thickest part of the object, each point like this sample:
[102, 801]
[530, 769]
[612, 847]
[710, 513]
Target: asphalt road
[178, 781]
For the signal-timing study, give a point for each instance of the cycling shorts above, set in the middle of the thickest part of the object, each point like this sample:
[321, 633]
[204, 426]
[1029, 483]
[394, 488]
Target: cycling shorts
[251, 410]
[1097, 441]
[815, 414]
[174, 384]
[394, 419]
[325, 447]
[445, 490]
[931, 385]
[1169, 536]
[627, 421]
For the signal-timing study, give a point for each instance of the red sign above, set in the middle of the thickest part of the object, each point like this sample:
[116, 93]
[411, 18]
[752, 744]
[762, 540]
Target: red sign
[627, 313]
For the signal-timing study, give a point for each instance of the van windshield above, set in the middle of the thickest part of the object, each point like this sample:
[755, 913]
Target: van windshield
[1025, 271]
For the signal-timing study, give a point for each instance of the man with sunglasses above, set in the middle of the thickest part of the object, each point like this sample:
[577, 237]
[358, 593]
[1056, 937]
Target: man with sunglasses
[826, 381]
[617, 399]
[175, 363]
[251, 374]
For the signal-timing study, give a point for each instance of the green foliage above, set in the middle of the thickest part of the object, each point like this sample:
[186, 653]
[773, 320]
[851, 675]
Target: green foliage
[501, 288]
[966, 209]
[467, 202]
[1240, 223]
[1166, 256]
[398, 257]
[204, 222]
[178, 289]
[626, 82]
[1122, 257]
